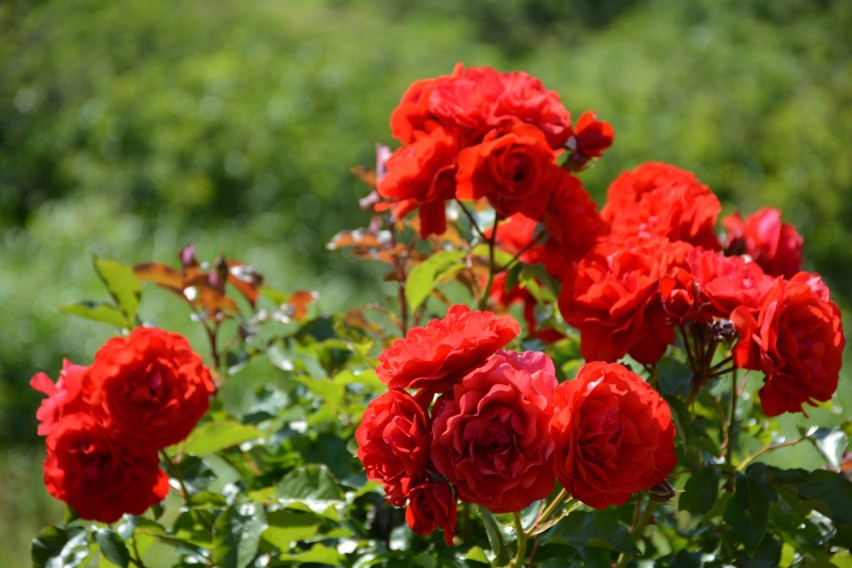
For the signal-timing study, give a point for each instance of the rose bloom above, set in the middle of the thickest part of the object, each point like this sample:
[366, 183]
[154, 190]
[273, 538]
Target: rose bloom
[421, 176]
[149, 386]
[432, 505]
[436, 356]
[614, 299]
[513, 169]
[774, 245]
[659, 199]
[614, 435]
[100, 475]
[711, 286]
[573, 226]
[489, 435]
[64, 397]
[796, 340]
[393, 443]
[591, 137]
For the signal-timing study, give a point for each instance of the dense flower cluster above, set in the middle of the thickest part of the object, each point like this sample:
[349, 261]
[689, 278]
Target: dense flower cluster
[478, 133]
[489, 427]
[105, 423]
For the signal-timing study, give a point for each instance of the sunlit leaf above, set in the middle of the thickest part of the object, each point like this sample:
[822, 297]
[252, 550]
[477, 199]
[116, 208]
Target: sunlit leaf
[60, 547]
[831, 443]
[238, 531]
[218, 435]
[96, 311]
[160, 274]
[286, 527]
[122, 284]
[425, 276]
[309, 482]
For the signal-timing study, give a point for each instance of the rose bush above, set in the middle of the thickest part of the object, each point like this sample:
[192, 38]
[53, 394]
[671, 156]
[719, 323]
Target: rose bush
[616, 428]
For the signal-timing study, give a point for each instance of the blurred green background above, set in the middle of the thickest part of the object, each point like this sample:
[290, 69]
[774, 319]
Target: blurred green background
[129, 129]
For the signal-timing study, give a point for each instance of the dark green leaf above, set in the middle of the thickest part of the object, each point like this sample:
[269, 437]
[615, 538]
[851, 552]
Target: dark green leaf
[767, 555]
[60, 547]
[495, 537]
[195, 474]
[675, 377]
[218, 435]
[96, 311]
[424, 277]
[597, 529]
[701, 491]
[112, 547]
[309, 482]
[238, 531]
[748, 512]
[122, 284]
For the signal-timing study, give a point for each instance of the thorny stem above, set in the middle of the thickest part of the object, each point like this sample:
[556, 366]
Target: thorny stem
[138, 559]
[472, 220]
[732, 422]
[492, 270]
[183, 488]
[520, 253]
[399, 264]
[522, 540]
[639, 525]
[767, 449]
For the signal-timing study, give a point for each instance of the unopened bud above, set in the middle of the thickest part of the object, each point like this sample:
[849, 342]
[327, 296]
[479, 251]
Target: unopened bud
[723, 330]
[662, 492]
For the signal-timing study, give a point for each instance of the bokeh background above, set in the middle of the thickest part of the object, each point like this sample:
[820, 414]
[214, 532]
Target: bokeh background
[129, 129]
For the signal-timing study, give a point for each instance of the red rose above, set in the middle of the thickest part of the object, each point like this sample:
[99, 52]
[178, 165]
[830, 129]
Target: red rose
[98, 474]
[514, 170]
[573, 226]
[422, 175]
[435, 356]
[64, 397]
[614, 299]
[796, 340]
[523, 97]
[774, 245]
[393, 443]
[432, 505]
[613, 433]
[149, 386]
[658, 199]
[489, 435]
[413, 114]
[591, 138]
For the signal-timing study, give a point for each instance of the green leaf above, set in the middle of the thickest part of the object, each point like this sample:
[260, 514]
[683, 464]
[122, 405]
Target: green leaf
[495, 537]
[309, 482]
[748, 512]
[424, 277]
[476, 554]
[318, 554]
[286, 527]
[122, 285]
[218, 435]
[701, 491]
[96, 311]
[112, 547]
[238, 530]
[598, 529]
[831, 443]
[675, 377]
[60, 547]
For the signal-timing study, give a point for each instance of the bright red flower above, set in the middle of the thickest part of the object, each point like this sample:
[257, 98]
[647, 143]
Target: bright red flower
[796, 340]
[432, 505]
[65, 397]
[659, 199]
[100, 475]
[421, 176]
[614, 299]
[573, 226]
[613, 434]
[523, 97]
[393, 443]
[514, 169]
[591, 138]
[774, 245]
[149, 386]
[489, 435]
[436, 356]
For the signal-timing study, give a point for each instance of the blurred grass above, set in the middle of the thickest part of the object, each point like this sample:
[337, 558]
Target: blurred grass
[130, 129]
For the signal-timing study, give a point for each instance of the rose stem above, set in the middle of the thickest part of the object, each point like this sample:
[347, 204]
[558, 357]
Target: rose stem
[522, 540]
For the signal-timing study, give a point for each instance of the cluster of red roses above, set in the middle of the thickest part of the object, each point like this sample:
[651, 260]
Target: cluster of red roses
[106, 423]
[478, 134]
[493, 427]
